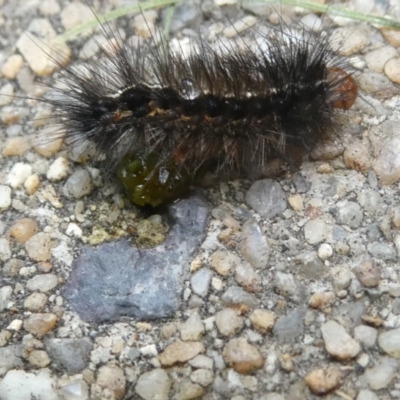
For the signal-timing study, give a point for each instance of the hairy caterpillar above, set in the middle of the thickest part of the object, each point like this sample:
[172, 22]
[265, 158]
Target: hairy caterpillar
[162, 118]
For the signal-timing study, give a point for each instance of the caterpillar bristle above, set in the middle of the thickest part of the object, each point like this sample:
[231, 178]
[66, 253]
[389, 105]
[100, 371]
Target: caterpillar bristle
[211, 109]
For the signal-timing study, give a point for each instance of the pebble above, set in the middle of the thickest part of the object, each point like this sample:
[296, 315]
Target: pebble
[392, 36]
[381, 374]
[44, 283]
[76, 389]
[248, 278]
[188, 390]
[224, 262]
[387, 163]
[341, 277]
[200, 281]
[239, 26]
[201, 361]
[242, 356]
[287, 285]
[369, 200]
[267, 198]
[383, 251]
[392, 70]
[348, 213]
[78, 184]
[23, 229]
[325, 251]
[368, 273]
[322, 300]
[112, 378]
[5, 336]
[5, 250]
[5, 197]
[235, 296]
[309, 265]
[179, 352]
[228, 322]
[296, 202]
[366, 395]
[347, 41]
[32, 184]
[70, 354]
[366, 335]
[143, 24]
[18, 174]
[377, 84]
[203, 377]
[262, 320]
[48, 148]
[376, 59]
[38, 247]
[40, 324]
[35, 302]
[389, 342]
[317, 231]
[39, 359]
[322, 381]
[193, 328]
[58, 170]
[12, 66]
[28, 386]
[154, 384]
[356, 156]
[5, 295]
[291, 326]
[16, 146]
[254, 246]
[10, 357]
[338, 343]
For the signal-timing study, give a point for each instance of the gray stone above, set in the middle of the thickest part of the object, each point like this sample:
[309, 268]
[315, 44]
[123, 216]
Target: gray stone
[366, 395]
[348, 213]
[254, 245]
[396, 307]
[309, 265]
[235, 296]
[117, 279]
[78, 184]
[380, 375]
[287, 285]
[301, 183]
[317, 230]
[5, 295]
[366, 335]
[370, 200]
[290, 327]
[383, 251]
[10, 357]
[267, 198]
[389, 342]
[70, 354]
[5, 250]
[185, 15]
[200, 281]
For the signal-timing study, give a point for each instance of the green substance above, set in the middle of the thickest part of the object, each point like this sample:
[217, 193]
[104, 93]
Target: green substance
[149, 182]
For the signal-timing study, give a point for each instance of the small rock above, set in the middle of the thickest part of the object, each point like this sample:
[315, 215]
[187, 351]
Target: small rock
[235, 296]
[154, 384]
[341, 277]
[28, 386]
[58, 170]
[254, 246]
[5, 336]
[266, 197]
[369, 273]
[5, 251]
[35, 302]
[287, 285]
[5, 295]
[291, 326]
[39, 359]
[366, 335]
[32, 184]
[193, 328]
[262, 320]
[248, 278]
[347, 42]
[392, 70]
[5, 197]
[23, 229]
[188, 390]
[348, 213]
[44, 283]
[338, 342]
[228, 322]
[317, 230]
[75, 389]
[356, 156]
[38, 247]
[325, 251]
[78, 184]
[384, 370]
[322, 300]
[200, 281]
[18, 174]
[366, 395]
[387, 163]
[383, 251]
[202, 361]
[322, 381]
[389, 342]
[16, 146]
[12, 66]
[10, 357]
[242, 356]
[370, 200]
[296, 202]
[179, 352]
[40, 324]
[203, 377]
[224, 262]
[309, 265]
[376, 59]
[112, 377]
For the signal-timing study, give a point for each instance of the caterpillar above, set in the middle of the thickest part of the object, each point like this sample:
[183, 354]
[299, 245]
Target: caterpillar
[162, 119]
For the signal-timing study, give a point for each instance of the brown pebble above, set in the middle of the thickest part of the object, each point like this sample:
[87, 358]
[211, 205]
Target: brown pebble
[12, 66]
[38, 247]
[322, 381]
[262, 320]
[35, 301]
[228, 322]
[242, 356]
[224, 262]
[179, 352]
[112, 377]
[23, 229]
[32, 184]
[39, 358]
[325, 168]
[392, 36]
[392, 70]
[16, 146]
[40, 324]
[47, 148]
[286, 362]
[369, 273]
[4, 337]
[373, 320]
[322, 300]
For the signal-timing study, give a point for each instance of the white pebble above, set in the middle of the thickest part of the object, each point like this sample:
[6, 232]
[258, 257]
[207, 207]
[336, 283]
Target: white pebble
[18, 174]
[5, 197]
[325, 251]
[58, 169]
